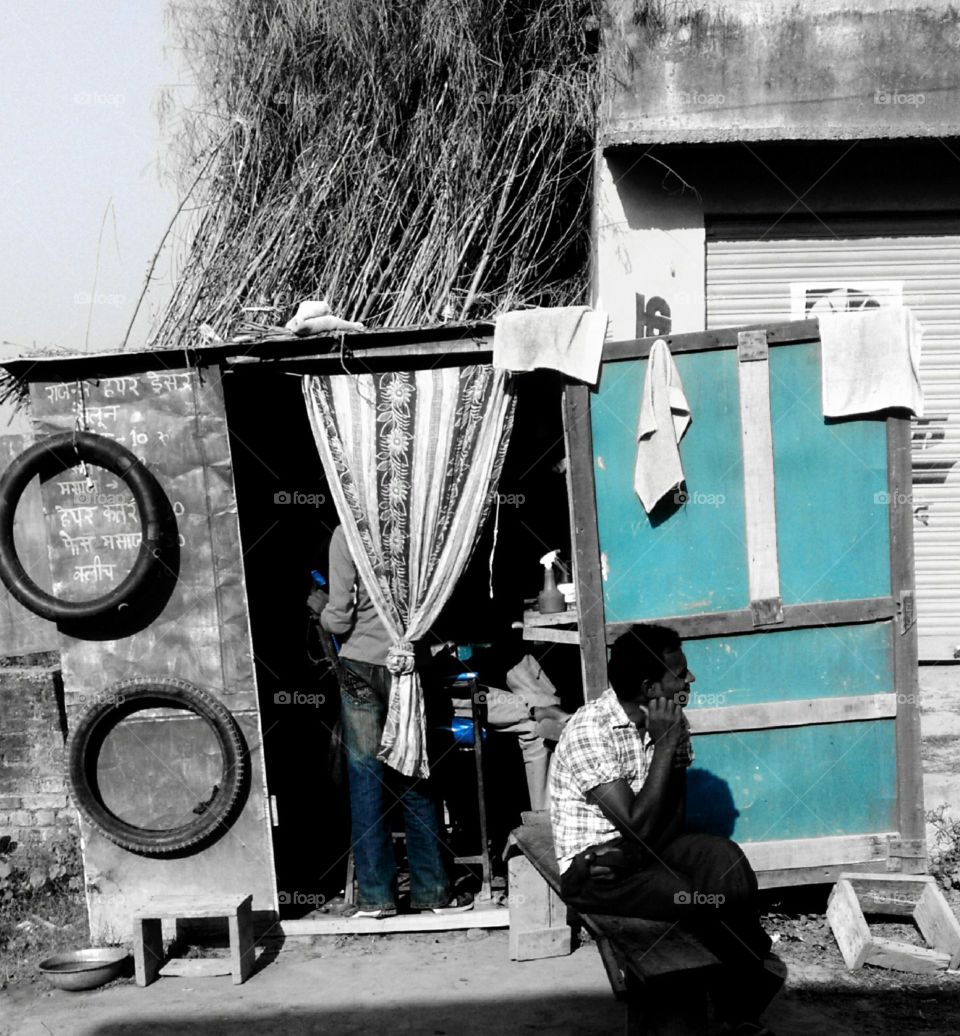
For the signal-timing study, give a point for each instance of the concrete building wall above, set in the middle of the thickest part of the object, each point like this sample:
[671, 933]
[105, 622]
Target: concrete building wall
[777, 70]
[650, 243]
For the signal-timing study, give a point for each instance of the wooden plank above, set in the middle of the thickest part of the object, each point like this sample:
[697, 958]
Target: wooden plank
[482, 916]
[759, 487]
[902, 956]
[442, 337]
[186, 906]
[614, 965]
[896, 894]
[789, 332]
[581, 492]
[937, 923]
[795, 853]
[531, 617]
[535, 840]
[909, 767]
[196, 967]
[147, 950]
[538, 917]
[653, 949]
[848, 925]
[795, 616]
[763, 715]
[898, 881]
[360, 361]
[551, 636]
[826, 874]
[242, 953]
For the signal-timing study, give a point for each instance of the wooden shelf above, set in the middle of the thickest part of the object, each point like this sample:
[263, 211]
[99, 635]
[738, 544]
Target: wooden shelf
[551, 628]
[531, 617]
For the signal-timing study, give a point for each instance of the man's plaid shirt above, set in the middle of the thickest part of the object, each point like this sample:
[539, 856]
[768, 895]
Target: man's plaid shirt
[598, 745]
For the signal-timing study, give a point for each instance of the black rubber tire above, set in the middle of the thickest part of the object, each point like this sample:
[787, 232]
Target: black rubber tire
[65, 449]
[119, 701]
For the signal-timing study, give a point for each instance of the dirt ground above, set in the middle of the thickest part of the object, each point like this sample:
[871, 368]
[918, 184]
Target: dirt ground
[461, 984]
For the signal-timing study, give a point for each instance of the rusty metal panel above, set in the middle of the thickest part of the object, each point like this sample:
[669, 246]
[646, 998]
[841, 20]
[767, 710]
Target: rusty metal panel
[22, 632]
[175, 421]
[118, 882]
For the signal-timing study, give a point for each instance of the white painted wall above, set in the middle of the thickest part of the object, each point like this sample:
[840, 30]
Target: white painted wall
[650, 240]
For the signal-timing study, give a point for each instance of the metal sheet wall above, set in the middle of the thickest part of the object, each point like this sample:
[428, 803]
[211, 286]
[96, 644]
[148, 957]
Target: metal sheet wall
[175, 420]
[749, 280]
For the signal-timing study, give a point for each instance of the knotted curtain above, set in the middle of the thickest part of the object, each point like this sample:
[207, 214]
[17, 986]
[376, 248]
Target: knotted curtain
[412, 459]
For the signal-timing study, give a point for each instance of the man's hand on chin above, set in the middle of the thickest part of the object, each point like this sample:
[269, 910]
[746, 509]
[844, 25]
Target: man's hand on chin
[665, 722]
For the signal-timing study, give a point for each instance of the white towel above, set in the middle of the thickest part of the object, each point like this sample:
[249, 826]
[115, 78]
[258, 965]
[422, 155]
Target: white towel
[870, 361]
[664, 417]
[563, 338]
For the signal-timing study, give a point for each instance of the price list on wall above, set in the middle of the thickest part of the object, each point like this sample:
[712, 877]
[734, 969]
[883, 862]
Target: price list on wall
[94, 526]
[175, 422]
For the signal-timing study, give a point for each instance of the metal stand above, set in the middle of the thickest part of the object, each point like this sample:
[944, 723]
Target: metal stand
[478, 712]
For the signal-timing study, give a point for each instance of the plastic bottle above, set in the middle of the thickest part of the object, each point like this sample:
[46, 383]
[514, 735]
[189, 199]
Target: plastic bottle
[550, 599]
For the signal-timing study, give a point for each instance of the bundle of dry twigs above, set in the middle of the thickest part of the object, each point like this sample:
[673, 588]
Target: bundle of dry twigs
[409, 160]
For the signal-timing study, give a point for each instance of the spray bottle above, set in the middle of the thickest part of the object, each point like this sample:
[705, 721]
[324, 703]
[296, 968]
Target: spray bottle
[550, 599]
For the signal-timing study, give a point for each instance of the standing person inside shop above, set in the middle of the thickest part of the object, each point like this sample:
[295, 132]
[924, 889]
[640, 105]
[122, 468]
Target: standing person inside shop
[364, 694]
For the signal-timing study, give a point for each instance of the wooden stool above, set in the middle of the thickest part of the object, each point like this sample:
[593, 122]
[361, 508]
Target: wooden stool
[148, 931]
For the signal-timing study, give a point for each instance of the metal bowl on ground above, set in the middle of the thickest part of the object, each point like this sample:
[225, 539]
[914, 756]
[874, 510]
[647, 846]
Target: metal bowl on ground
[85, 969]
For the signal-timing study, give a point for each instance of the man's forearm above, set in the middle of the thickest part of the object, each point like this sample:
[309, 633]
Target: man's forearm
[651, 806]
[674, 807]
[336, 619]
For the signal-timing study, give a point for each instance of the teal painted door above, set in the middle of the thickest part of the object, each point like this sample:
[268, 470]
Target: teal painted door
[831, 484]
[765, 780]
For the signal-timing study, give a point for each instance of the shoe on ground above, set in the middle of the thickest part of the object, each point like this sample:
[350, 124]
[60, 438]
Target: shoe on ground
[375, 913]
[459, 903]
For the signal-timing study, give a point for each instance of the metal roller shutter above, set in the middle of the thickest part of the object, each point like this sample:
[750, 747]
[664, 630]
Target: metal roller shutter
[749, 281]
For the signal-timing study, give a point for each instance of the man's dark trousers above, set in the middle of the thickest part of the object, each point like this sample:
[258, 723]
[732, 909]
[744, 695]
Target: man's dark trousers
[706, 883]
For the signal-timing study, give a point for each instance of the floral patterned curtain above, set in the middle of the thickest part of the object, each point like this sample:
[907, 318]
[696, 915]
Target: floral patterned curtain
[412, 459]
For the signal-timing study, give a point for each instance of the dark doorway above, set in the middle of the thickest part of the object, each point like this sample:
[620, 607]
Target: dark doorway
[286, 519]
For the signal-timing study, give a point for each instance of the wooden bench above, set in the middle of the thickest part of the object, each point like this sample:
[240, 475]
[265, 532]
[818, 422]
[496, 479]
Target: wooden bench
[655, 967]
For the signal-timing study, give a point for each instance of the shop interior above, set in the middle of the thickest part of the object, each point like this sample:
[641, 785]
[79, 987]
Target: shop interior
[286, 519]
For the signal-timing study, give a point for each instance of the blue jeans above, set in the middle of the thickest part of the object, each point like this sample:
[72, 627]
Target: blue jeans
[374, 787]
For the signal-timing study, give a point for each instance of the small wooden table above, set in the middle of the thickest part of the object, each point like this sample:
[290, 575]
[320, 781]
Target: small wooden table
[148, 931]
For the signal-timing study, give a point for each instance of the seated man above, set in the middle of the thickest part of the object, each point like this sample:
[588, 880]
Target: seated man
[618, 790]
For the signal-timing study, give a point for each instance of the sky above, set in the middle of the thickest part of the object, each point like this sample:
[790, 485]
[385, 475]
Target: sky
[79, 137]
